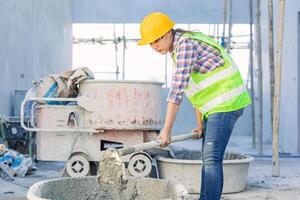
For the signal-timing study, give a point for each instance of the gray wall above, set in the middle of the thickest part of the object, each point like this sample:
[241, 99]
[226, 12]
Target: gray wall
[133, 11]
[298, 80]
[36, 39]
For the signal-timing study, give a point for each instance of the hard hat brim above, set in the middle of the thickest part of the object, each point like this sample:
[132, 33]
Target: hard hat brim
[142, 42]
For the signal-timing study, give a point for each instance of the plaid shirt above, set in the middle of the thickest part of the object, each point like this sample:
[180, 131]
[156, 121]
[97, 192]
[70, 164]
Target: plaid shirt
[191, 56]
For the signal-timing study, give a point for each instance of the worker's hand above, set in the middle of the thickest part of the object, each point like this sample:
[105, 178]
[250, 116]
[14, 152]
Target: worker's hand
[164, 137]
[199, 131]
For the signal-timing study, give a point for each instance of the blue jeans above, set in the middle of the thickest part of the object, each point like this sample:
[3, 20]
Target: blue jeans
[217, 130]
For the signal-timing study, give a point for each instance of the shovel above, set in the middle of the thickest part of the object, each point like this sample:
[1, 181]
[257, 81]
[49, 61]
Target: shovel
[112, 171]
[154, 144]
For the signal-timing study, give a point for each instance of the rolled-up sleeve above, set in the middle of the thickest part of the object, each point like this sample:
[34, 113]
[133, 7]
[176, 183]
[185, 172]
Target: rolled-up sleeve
[186, 56]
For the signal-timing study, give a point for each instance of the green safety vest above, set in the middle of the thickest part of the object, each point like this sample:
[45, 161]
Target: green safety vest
[221, 90]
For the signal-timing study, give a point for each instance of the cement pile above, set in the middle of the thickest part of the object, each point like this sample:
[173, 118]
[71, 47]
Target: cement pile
[111, 174]
[114, 185]
[110, 184]
[112, 178]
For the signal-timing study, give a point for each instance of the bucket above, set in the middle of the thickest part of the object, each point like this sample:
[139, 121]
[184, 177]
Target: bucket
[186, 170]
[84, 188]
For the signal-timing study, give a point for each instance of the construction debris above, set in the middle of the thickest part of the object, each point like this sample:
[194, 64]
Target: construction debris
[12, 163]
[60, 85]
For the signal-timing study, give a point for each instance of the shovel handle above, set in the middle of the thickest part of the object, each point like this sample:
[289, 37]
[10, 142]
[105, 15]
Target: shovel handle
[184, 137]
[155, 144]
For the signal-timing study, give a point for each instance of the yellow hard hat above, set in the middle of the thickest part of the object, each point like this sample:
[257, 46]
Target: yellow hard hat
[154, 26]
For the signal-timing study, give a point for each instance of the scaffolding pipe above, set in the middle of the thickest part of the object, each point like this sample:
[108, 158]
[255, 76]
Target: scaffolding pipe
[218, 32]
[214, 31]
[278, 65]
[116, 53]
[124, 51]
[259, 77]
[271, 55]
[229, 26]
[102, 41]
[251, 72]
[225, 19]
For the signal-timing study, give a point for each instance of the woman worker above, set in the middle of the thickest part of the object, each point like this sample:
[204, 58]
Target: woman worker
[210, 79]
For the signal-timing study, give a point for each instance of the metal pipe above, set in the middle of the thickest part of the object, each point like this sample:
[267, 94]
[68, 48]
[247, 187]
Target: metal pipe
[251, 72]
[229, 26]
[278, 64]
[116, 54]
[218, 32]
[259, 77]
[271, 55]
[124, 51]
[214, 31]
[101, 40]
[37, 99]
[225, 19]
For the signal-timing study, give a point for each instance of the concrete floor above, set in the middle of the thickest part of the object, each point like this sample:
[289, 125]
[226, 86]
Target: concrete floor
[262, 186]
[260, 183]
[17, 189]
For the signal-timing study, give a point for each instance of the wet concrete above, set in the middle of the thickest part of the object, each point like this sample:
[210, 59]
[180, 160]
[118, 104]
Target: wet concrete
[111, 173]
[87, 188]
[185, 154]
[110, 184]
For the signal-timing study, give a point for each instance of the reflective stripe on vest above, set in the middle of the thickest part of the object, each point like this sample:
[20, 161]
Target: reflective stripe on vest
[194, 88]
[222, 98]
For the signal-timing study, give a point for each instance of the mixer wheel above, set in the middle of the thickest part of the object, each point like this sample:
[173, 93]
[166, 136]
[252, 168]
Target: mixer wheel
[78, 165]
[140, 164]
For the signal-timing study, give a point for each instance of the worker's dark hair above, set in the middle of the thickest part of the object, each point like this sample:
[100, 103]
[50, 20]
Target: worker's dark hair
[180, 30]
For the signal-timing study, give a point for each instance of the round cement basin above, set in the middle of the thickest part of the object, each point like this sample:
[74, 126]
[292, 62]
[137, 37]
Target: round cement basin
[186, 170]
[84, 188]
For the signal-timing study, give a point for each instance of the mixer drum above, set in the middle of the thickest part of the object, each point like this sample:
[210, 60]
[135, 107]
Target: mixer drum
[125, 105]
